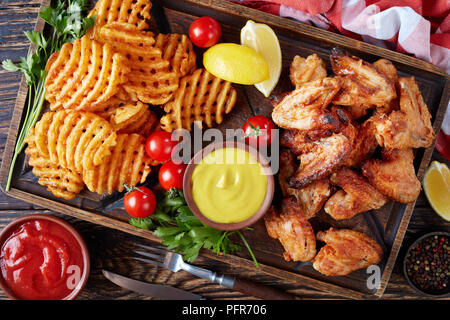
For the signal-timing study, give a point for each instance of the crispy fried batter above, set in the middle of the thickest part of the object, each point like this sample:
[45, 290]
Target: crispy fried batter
[305, 70]
[200, 97]
[345, 251]
[129, 164]
[60, 181]
[134, 118]
[291, 227]
[84, 75]
[409, 127]
[134, 12]
[178, 49]
[357, 195]
[363, 86]
[74, 140]
[326, 156]
[305, 108]
[394, 176]
[151, 78]
[364, 145]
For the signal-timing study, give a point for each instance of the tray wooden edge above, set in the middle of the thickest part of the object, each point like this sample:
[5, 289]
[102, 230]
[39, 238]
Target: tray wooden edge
[18, 111]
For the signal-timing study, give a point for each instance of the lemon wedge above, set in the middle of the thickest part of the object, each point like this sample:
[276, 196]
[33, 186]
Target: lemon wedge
[436, 184]
[236, 63]
[263, 39]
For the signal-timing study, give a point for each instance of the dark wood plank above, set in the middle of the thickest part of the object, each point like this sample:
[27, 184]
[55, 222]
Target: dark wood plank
[111, 249]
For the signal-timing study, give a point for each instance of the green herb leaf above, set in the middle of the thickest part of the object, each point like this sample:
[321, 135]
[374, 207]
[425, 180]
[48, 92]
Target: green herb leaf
[142, 223]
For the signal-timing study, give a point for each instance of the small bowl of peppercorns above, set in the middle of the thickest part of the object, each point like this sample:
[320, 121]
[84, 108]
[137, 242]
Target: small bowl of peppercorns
[427, 264]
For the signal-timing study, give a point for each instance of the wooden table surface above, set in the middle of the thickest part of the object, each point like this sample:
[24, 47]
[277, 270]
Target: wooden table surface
[111, 249]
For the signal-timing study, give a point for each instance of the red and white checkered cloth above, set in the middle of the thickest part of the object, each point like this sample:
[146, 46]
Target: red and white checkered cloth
[418, 27]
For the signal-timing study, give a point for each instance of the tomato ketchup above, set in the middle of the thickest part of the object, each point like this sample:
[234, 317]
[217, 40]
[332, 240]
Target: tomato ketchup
[41, 260]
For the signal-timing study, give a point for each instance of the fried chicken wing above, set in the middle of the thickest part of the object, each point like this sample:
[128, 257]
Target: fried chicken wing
[293, 230]
[394, 176]
[364, 145]
[345, 251]
[326, 156]
[409, 127]
[363, 85]
[357, 195]
[305, 70]
[305, 108]
[299, 141]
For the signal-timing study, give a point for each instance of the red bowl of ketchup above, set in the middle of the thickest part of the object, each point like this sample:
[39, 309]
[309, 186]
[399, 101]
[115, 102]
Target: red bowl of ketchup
[42, 257]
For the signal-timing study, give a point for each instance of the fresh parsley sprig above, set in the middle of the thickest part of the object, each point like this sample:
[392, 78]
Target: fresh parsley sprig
[180, 230]
[69, 22]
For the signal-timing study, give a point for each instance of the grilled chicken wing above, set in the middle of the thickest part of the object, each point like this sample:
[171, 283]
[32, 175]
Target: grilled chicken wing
[363, 86]
[345, 251]
[364, 145]
[409, 127]
[394, 176]
[291, 227]
[312, 197]
[305, 70]
[387, 68]
[326, 156]
[305, 108]
[287, 170]
[357, 195]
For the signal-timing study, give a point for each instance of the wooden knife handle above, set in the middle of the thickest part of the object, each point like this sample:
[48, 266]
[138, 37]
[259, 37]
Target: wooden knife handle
[260, 291]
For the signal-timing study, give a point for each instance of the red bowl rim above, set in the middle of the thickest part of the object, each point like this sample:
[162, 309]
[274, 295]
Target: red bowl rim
[84, 250]
[187, 187]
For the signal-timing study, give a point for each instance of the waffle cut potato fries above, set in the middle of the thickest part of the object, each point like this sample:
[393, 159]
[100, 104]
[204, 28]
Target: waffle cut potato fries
[134, 12]
[60, 181]
[152, 79]
[75, 140]
[134, 118]
[200, 97]
[128, 164]
[178, 50]
[101, 89]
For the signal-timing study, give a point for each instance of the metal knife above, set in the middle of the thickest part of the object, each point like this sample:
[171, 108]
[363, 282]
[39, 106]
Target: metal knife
[164, 292]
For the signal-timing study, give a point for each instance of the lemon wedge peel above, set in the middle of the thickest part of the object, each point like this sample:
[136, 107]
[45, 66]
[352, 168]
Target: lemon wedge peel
[236, 63]
[263, 40]
[436, 185]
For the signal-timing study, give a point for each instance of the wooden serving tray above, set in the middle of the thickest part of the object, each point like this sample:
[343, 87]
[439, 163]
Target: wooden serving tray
[387, 225]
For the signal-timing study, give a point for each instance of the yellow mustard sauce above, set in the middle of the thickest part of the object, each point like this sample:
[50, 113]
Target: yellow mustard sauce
[228, 185]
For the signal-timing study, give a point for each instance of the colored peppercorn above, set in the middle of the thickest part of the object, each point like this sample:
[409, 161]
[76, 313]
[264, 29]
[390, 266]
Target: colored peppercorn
[428, 266]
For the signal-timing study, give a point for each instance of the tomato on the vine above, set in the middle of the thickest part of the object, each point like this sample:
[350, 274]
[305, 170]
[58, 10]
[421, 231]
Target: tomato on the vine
[139, 202]
[205, 32]
[258, 131]
[171, 175]
[159, 145]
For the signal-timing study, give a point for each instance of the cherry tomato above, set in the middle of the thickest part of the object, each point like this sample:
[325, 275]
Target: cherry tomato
[258, 131]
[205, 32]
[171, 175]
[139, 202]
[159, 146]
